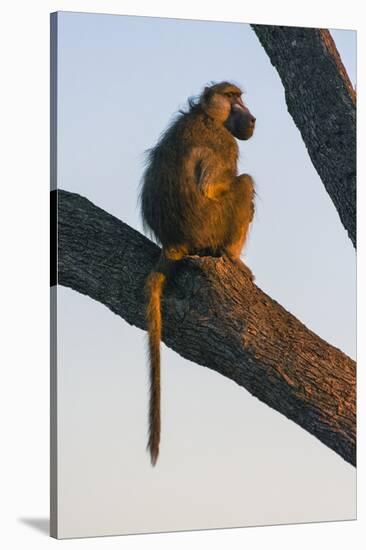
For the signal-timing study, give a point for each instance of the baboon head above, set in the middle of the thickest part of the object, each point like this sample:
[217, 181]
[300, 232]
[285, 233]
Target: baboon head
[223, 103]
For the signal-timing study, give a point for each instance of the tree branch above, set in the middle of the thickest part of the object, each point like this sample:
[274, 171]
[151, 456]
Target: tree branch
[322, 102]
[215, 316]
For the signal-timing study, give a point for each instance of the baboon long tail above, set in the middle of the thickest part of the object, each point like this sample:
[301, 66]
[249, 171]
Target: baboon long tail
[155, 286]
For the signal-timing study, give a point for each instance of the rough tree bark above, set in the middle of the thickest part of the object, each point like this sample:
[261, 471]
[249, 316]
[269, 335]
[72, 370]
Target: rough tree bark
[215, 316]
[322, 102]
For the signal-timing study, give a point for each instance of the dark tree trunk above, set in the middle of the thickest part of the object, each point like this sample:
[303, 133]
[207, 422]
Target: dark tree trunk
[215, 316]
[322, 102]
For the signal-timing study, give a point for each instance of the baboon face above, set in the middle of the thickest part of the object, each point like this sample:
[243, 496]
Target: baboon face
[224, 103]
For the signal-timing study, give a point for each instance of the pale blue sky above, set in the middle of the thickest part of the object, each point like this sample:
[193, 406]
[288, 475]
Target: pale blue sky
[226, 459]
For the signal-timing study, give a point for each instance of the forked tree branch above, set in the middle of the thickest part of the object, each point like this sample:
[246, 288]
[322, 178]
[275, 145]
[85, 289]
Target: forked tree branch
[322, 101]
[216, 317]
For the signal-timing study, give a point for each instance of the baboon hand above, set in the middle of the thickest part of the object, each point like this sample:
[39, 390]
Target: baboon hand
[246, 180]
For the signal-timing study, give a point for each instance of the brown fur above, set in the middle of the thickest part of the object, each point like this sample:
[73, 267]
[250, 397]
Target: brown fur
[194, 202]
[155, 285]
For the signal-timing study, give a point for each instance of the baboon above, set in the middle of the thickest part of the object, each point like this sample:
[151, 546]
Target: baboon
[195, 203]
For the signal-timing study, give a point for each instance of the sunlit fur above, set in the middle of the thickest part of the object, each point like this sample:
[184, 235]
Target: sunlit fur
[194, 202]
[155, 284]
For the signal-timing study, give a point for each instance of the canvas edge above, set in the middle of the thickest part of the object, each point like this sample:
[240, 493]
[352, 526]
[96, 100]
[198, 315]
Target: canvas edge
[53, 278]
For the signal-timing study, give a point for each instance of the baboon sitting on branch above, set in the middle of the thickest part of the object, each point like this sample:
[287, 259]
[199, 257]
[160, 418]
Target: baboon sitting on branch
[194, 202]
